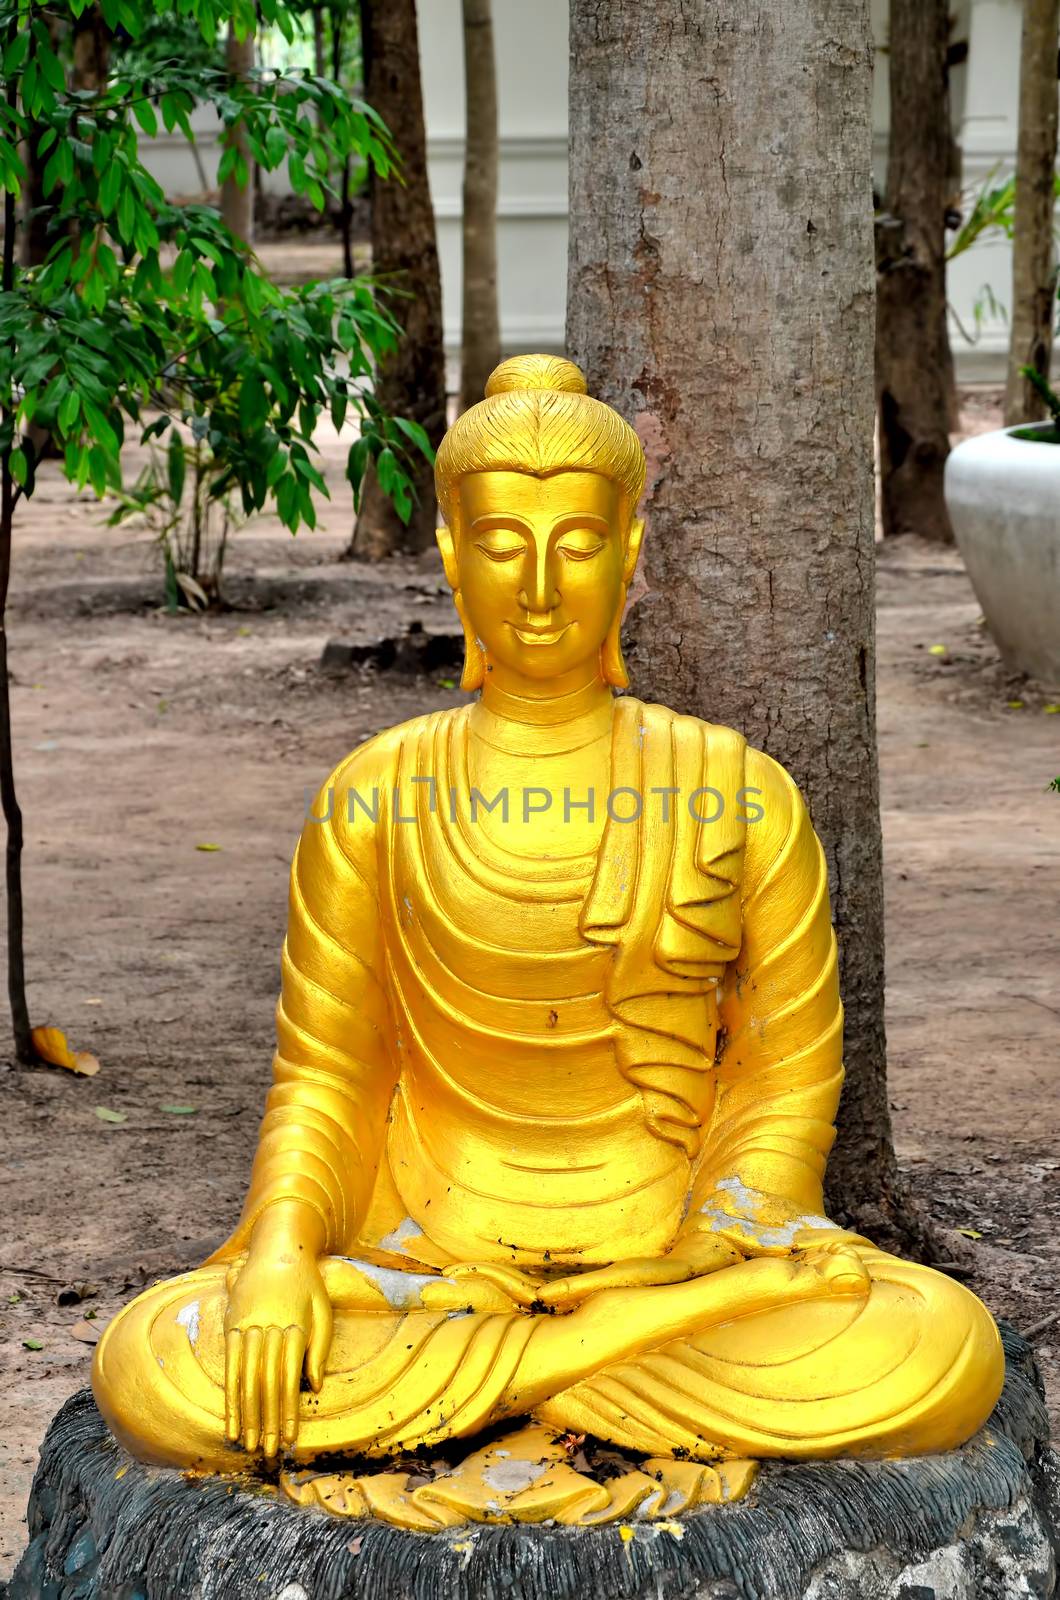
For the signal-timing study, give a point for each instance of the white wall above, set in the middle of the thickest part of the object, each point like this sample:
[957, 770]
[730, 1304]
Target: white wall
[531, 43]
[531, 46]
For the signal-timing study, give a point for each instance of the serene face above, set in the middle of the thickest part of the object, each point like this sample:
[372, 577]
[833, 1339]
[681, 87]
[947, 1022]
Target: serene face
[540, 563]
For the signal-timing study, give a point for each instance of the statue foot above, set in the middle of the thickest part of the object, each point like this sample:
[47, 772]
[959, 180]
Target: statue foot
[530, 1475]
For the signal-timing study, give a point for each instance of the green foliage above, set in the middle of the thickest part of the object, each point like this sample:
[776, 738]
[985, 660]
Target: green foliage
[144, 307]
[1045, 392]
[990, 209]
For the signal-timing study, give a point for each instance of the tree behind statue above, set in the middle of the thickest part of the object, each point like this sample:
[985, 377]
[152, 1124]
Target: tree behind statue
[731, 322]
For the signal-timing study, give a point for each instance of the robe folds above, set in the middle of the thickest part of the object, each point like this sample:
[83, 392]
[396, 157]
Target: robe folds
[557, 1063]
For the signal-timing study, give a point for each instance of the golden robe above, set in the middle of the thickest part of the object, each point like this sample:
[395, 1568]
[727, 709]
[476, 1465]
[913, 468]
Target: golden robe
[565, 1062]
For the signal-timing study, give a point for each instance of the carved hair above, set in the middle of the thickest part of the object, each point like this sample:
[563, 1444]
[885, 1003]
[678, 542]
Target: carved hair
[538, 418]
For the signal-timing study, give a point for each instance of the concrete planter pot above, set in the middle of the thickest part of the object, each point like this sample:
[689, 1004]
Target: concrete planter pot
[1003, 496]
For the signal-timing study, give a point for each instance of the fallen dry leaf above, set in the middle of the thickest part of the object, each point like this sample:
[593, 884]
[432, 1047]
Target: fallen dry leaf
[51, 1045]
[86, 1332]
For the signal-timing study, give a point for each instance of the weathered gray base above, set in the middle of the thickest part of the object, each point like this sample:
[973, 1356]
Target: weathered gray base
[979, 1524]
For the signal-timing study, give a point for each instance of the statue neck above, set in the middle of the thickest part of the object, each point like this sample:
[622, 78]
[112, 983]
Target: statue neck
[538, 720]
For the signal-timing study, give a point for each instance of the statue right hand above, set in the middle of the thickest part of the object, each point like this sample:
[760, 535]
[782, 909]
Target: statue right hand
[278, 1320]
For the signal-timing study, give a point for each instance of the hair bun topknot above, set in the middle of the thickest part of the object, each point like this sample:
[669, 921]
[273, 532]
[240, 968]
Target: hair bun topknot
[536, 372]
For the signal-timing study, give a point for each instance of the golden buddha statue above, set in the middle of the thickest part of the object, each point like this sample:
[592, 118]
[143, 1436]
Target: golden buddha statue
[559, 1057]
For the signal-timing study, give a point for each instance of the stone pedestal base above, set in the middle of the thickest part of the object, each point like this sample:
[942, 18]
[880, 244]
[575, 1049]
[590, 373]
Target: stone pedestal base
[979, 1524]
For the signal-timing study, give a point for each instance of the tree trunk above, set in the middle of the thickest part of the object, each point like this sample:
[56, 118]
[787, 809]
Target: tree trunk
[480, 326]
[911, 361]
[37, 206]
[91, 44]
[721, 297]
[320, 65]
[411, 381]
[16, 964]
[237, 203]
[1033, 255]
[338, 23]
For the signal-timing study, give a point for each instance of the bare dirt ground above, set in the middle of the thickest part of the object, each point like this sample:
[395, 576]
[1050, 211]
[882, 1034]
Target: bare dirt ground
[141, 737]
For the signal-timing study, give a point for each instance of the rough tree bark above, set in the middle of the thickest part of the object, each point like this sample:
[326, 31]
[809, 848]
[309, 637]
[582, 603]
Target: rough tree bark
[1033, 253]
[237, 203]
[411, 381]
[720, 295]
[480, 349]
[911, 358]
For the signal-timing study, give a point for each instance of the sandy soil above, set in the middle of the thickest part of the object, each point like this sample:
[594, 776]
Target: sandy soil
[141, 737]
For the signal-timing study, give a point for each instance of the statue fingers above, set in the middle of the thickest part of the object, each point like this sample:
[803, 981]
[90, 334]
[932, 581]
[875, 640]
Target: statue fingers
[233, 1410]
[842, 1269]
[291, 1363]
[232, 1271]
[319, 1342]
[518, 1286]
[250, 1391]
[271, 1379]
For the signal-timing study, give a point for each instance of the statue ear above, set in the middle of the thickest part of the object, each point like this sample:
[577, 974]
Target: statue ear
[448, 550]
[474, 672]
[633, 544]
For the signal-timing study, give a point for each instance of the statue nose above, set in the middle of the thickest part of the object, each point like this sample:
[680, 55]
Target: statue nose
[541, 594]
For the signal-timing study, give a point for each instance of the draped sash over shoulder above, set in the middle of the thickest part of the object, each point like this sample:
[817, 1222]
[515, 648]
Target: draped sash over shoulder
[519, 1051]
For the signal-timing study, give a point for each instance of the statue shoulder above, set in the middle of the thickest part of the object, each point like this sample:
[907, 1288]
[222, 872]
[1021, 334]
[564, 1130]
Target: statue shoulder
[780, 833]
[375, 763]
[722, 750]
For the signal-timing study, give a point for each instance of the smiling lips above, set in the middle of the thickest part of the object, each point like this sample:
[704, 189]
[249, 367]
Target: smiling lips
[539, 635]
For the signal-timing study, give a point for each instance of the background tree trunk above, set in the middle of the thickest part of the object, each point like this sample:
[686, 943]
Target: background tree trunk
[411, 381]
[1033, 253]
[91, 49]
[337, 14]
[13, 903]
[237, 204]
[480, 327]
[912, 362]
[721, 297]
[36, 205]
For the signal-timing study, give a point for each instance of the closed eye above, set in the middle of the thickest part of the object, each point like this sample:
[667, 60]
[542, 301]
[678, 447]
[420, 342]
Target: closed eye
[501, 551]
[580, 552]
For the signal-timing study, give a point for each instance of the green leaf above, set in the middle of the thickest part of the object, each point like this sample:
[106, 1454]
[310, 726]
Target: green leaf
[100, 428]
[144, 112]
[18, 467]
[105, 1114]
[126, 214]
[32, 1344]
[253, 403]
[413, 431]
[181, 1111]
[51, 67]
[69, 411]
[110, 187]
[176, 468]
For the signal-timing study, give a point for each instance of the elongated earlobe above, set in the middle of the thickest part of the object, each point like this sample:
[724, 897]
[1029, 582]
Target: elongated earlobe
[474, 674]
[612, 664]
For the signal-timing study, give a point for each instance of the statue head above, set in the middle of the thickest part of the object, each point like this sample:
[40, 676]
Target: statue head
[538, 485]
